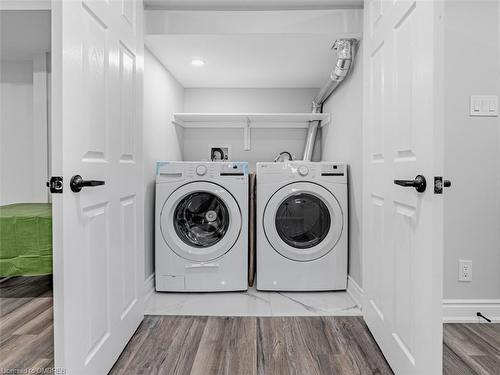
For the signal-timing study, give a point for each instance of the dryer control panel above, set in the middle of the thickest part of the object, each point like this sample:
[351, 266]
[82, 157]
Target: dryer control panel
[302, 170]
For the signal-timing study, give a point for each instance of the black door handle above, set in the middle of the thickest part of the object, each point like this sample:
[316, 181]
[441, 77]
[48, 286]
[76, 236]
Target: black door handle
[418, 183]
[77, 183]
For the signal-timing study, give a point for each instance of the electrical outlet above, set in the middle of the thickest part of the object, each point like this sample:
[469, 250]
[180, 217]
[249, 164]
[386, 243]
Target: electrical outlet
[465, 270]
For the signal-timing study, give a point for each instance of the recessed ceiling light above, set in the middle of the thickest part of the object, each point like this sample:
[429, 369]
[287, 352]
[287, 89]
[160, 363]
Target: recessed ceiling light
[197, 62]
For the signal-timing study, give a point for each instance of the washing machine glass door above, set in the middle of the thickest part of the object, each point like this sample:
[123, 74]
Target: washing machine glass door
[303, 221]
[200, 221]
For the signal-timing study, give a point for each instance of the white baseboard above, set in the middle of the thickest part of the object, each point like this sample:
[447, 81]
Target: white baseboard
[464, 310]
[149, 286]
[355, 291]
[454, 310]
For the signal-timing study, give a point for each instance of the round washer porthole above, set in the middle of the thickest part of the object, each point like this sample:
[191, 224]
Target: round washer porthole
[200, 221]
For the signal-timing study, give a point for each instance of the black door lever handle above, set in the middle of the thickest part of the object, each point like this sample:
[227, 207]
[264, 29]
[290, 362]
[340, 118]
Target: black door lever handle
[77, 183]
[418, 183]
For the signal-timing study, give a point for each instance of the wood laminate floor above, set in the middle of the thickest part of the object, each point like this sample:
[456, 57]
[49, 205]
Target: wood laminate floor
[230, 345]
[252, 345]
[471, 349]
[26, 331]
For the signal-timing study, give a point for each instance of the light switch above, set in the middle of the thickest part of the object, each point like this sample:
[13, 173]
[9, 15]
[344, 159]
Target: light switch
[484, 105]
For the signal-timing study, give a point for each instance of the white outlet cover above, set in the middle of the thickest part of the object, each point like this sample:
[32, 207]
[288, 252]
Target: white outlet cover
[465, 270]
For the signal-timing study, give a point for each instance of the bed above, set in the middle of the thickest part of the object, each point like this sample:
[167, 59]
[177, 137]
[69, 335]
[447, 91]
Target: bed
[26, 239]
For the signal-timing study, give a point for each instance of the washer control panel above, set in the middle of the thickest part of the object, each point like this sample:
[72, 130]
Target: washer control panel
[303, 170]
[330, 169]
[233, 169]
[192, 170]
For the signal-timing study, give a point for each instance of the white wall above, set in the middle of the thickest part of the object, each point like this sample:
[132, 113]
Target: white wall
[265, 143]
[163, 96]
[17, 134]
[24, 42]
[249, 100]
[472, 152]
[342, 141]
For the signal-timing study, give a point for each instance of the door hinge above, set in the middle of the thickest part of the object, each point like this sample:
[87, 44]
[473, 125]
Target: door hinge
[55, 184]
[439, 183]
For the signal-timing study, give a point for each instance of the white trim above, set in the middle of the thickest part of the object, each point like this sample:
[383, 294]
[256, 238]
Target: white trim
[149, 286]
[248, 121]
[464, 310]
[355, 291]
[255, 5]
[251, 120]
[25, 5]
[41, 124]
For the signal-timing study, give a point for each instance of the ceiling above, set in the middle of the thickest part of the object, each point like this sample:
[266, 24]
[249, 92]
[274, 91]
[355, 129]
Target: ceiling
[251, 4]
[24, 34]
[247, 61]
[272, 49]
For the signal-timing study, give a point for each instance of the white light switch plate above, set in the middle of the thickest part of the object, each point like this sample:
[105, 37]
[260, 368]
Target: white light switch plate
[484, 105]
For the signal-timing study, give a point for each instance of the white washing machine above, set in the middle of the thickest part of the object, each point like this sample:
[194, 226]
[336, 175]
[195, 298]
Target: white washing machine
[201, 239]
[302, 235]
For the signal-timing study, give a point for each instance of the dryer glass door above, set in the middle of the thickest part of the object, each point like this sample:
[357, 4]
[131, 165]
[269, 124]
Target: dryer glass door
[200, 221]
[303, 221]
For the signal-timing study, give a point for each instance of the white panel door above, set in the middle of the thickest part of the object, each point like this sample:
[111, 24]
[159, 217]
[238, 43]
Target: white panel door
[402, 139]
[97, 50]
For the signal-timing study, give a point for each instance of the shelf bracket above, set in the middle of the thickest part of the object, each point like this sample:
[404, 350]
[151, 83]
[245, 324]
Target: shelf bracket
[246, 136]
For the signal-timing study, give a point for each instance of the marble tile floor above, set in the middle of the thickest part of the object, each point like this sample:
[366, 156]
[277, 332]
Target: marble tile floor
[253, 303]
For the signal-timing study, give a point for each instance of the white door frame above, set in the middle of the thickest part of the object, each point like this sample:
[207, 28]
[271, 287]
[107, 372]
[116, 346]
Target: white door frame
[31, 5]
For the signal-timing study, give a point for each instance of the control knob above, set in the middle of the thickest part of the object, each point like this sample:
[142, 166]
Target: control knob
[201, 170]
[303, 170]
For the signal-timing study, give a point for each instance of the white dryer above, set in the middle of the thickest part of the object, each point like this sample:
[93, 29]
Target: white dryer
[201, 239]
[302, 236]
